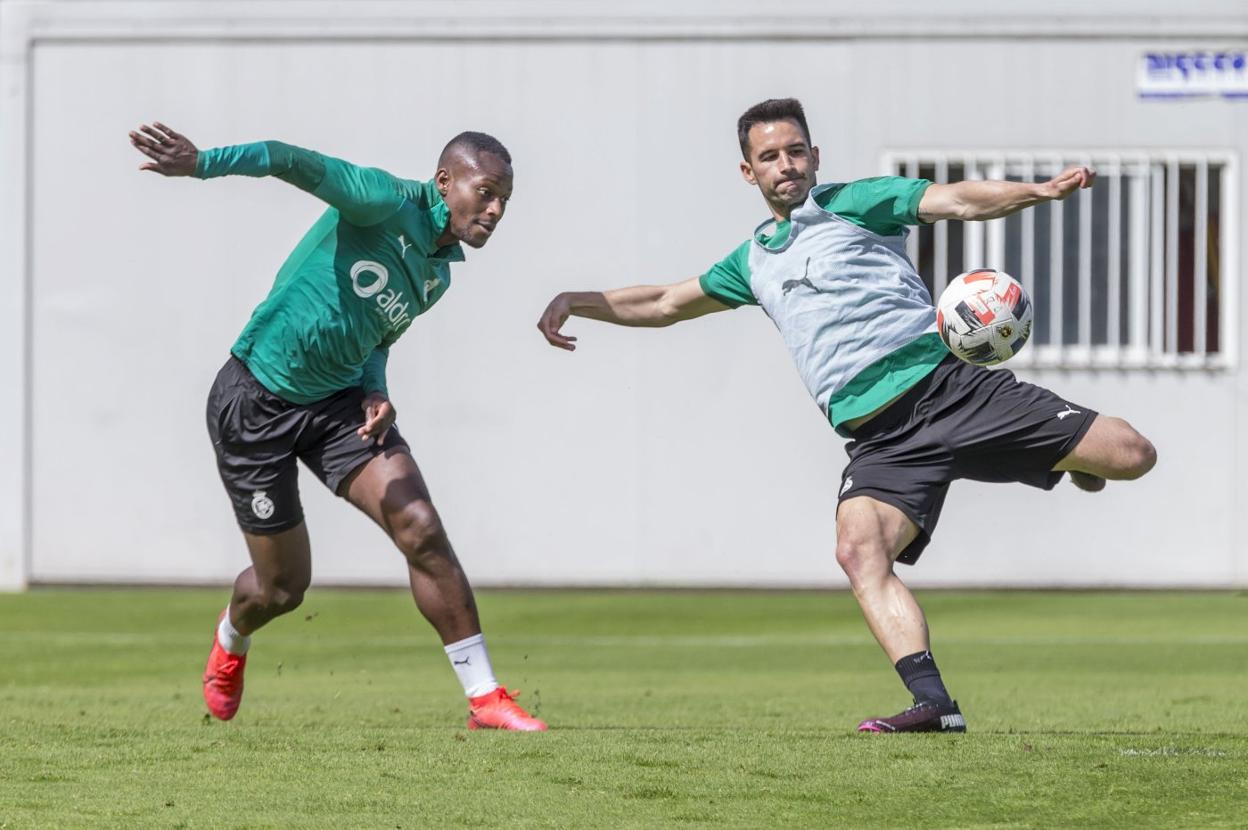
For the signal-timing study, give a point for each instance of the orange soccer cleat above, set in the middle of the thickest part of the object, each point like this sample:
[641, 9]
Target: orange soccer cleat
[498, 710]
[223, 679]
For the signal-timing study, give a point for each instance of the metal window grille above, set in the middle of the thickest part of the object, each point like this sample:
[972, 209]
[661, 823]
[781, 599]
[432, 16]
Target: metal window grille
[1138, 271]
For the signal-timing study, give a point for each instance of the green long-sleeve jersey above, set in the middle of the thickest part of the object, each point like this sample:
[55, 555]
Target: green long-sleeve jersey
[353, 284]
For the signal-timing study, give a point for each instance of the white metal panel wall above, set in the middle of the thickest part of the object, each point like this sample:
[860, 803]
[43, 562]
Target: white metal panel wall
[14, 312]
[683, 456]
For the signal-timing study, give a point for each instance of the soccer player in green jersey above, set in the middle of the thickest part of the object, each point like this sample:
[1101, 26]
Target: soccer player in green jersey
[306, 381]
[829, 268]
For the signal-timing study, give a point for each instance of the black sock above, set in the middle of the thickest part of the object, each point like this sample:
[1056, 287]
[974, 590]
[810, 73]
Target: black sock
[918, 671]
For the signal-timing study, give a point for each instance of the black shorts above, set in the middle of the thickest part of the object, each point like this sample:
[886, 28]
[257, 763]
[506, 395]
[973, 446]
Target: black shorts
[961, 421]
[257, 436]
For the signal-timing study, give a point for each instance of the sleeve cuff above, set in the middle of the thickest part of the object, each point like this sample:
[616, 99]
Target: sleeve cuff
[710, 291]
[915, 198]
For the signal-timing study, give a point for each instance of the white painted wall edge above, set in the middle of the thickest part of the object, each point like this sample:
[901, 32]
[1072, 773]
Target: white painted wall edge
[15, 309]
[644, 19]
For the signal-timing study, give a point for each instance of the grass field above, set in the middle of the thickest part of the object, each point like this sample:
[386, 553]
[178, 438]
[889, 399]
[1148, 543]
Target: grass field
[667, 710]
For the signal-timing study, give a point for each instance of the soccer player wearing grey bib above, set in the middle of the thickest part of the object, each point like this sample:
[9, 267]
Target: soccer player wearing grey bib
[830, 270]
[306, 381]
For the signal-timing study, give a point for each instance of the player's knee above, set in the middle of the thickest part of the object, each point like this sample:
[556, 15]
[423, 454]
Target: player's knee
[1137, 455]
[1143, 456]
[279, 599]
[418, 532]
[847, 556]
[860, 558]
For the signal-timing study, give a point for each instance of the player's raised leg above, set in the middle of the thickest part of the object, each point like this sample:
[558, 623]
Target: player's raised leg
[274, 585]
[870, 535]
[280, 573]
[1112, 450]
[390, 490]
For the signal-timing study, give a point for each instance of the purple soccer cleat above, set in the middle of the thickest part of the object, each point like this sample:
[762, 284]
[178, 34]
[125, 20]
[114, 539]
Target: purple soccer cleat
[923, 716]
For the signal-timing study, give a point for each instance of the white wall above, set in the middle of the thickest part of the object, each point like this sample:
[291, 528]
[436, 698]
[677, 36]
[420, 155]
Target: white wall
[683, 456]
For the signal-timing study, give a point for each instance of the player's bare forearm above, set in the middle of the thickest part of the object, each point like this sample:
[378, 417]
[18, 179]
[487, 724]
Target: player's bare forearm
[636, 306]
[983, 200]
[639, 305]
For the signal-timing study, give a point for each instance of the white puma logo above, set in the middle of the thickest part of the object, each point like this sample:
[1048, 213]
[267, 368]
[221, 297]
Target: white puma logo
[404, 245]
[849, 482]
[1061, 416]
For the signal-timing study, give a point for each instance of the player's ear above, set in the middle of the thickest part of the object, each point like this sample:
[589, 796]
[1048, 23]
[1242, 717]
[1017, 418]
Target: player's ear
[442, 180]
[747, 173]
[814, 153]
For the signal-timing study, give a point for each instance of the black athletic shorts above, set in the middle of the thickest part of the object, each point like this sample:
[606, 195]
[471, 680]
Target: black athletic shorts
[257, 436]
[961, 421]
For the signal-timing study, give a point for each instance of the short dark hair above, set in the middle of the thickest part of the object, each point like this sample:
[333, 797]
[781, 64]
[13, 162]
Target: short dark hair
[773, 109]
[474, 143]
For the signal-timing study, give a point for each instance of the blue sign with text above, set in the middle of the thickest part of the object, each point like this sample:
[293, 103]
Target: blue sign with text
[1193, 73]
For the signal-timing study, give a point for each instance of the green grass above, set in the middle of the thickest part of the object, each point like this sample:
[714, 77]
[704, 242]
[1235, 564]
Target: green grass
[668, 710]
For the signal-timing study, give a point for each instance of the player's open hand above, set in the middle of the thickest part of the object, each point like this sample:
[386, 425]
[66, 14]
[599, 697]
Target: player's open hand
[171, 153]
[379, 416]
[553, 318]
[1070, 180]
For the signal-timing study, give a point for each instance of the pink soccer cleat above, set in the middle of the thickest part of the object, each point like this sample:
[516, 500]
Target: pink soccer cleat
[498, 710]
[223, 679]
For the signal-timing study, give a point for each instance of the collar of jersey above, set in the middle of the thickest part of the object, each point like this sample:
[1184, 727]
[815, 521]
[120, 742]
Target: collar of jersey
[778, 239]
[448, 253]
[440, 214]
[779, 235]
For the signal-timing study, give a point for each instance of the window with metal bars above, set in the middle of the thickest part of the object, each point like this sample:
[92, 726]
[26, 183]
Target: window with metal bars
[1137, 271]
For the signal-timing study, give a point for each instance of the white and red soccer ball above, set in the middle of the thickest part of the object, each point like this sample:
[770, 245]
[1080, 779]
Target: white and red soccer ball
[984, 316]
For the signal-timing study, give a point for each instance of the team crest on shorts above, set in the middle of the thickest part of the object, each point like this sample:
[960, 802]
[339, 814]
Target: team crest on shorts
[261, 505]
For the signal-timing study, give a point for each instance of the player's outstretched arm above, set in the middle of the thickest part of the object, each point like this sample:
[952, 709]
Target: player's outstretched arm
[640, 305]
[980, 200]
[363, 195]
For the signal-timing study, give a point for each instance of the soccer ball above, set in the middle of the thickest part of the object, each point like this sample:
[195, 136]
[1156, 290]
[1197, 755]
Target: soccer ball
[984, 316]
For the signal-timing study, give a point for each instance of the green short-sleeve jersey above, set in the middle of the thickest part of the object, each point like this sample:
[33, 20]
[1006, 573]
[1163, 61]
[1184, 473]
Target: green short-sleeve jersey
[885, 206]
[353, 284]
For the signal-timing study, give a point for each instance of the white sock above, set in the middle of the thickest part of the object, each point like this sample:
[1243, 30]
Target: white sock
[471, 663]
[229, 638]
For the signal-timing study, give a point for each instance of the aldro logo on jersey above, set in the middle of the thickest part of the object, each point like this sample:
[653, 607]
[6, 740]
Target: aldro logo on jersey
[368, 280]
